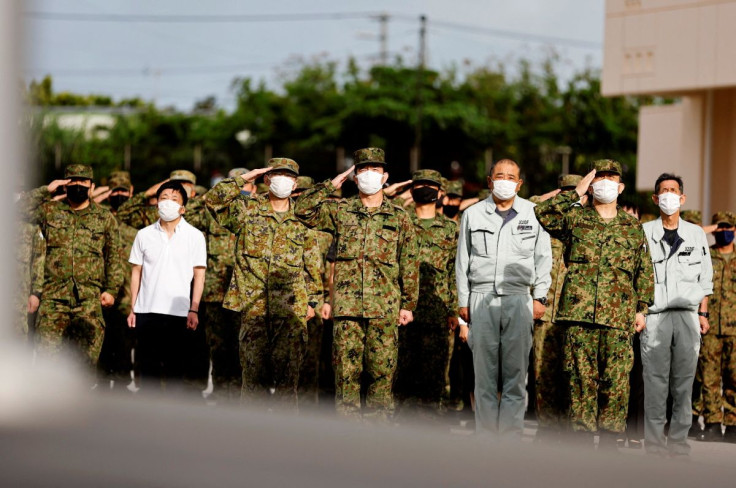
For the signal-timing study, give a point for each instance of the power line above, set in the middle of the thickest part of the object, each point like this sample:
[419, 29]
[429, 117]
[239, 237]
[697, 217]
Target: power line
[199, 19]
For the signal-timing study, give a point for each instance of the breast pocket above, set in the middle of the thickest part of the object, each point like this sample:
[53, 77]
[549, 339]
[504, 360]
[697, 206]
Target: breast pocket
[256, 238]
[621, 256]
[349, 241]
[524, 240]
[91, 237]
[480, 241]
[690, 265]
[580, 250]
[388, 242]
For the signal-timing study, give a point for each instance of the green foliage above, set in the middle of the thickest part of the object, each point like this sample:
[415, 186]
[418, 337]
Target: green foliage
[318, 109]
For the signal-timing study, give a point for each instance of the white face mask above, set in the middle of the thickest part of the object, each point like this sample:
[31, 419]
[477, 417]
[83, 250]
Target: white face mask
[605, 191]
[281, 186]
[669, 203]
[504, 189]
[168, 210]
[369, 182]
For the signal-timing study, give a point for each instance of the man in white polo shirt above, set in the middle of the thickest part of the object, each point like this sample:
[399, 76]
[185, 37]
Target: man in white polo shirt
[169, 260]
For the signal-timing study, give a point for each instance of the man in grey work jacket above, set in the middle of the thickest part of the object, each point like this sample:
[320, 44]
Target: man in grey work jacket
[503, 254]
[671, 341]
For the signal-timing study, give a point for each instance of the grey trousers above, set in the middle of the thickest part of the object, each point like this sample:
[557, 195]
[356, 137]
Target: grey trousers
[669, 353]
[500, 338]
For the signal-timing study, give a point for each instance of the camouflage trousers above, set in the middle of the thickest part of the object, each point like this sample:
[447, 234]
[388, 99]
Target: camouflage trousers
[597, 362]
[221, 328]
[365, 348]
[74, 326]
[425, 348]
[309, 372]
[271, 350]
[717, 368]
[551, 395]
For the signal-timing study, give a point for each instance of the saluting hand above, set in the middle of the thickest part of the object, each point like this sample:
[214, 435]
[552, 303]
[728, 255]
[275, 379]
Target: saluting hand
[56, 184]
[151, 192]
[584, 184]
[547, 196]
[338, 180]
[390, 190]
[253, 175]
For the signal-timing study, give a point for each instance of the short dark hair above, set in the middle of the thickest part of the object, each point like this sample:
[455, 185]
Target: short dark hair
[668, 177]
[504, 161]
[177, 187]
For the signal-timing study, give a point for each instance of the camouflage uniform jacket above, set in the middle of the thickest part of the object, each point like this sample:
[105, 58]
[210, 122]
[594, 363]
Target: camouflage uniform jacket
[324, 241]
[609, 271]
[123, 301]
[437, 245]
[137, 213]
[377, 268]
[83, 257]
[277, 262]
[722, 304]
[220, 261]
[558, 278]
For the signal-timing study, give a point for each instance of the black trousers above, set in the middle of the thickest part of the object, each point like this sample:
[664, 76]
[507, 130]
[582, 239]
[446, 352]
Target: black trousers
[161, 351]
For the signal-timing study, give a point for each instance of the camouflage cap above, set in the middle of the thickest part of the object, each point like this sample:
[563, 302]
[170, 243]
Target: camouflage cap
[724, 218]
[119, 182]
[692, 216]
[445, 181]
[183, 176]
[78, 171]
[427, 175]
[237, 172]
[483, 194]
[568, 181]
[200, 190]
[120, 174]
[608, 165]
[373, 155]
[304, 183]
[455, 188]
[285, 164]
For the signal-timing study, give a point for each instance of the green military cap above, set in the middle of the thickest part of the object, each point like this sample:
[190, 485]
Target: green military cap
[428, 176]
[608, 165]
[568, 181]
[120, 174]
[724, 218]
[455, 188]
[119, 182]
[78, 171]
[183, 175]
[200, 190]
[483, 194]
[692, 216]
[445, 182]
[237, 172]
[262, 188]
[304, 182]
[373, 155]
[285, 164]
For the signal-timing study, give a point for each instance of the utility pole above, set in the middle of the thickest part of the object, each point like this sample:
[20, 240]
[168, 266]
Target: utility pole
[416, 152]
[383, 38]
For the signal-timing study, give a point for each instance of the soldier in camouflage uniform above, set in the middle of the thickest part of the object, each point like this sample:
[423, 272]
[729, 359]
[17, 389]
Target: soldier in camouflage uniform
[376, 282]
[425, 345]
[309, 372]
[276, 282]
[26, 250]
[452, 200]
[717, 362]
[550, 395]
[692, 216]
[115, 357]
[607, 290]
[221, 325]
[82, 271]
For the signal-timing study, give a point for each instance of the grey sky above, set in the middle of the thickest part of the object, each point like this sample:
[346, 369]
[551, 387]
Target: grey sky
[179, 63]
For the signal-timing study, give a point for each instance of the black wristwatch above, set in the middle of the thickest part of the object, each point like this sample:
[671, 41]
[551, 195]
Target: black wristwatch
[542, 300]
[704, 314]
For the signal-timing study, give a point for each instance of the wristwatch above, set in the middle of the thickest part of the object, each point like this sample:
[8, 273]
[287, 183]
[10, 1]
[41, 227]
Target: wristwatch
[704, 314]
[542, 300]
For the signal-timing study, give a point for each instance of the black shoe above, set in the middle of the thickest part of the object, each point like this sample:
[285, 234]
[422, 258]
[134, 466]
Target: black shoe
[730, 435]
[711, 433]
[695, 429]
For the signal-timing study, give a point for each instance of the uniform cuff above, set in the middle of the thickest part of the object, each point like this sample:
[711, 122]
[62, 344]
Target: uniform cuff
[642, 307]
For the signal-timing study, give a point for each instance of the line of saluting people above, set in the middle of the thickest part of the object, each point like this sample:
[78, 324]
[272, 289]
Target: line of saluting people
[569, 274]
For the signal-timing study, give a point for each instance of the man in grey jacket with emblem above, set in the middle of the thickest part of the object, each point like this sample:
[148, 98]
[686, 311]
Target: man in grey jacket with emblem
[671, 341]
[503, 273]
